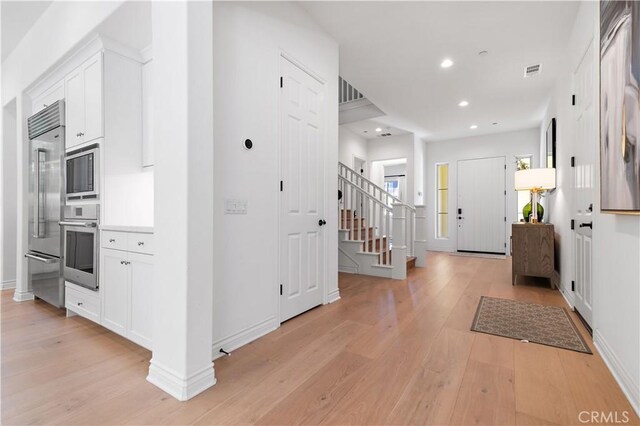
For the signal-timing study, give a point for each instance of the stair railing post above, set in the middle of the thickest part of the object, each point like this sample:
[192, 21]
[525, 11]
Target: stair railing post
[421, 236]
[399, 242]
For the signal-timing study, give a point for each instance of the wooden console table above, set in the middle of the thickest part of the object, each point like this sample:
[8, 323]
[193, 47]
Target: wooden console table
[532, 251]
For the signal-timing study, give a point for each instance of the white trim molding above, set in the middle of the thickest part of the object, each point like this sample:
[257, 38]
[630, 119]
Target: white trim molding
[22, 296]
[9, 284]
[333, 296]
[624, 379]
[181, 388]
[242, 337]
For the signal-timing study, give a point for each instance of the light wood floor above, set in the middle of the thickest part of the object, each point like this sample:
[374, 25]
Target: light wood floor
[389, 352]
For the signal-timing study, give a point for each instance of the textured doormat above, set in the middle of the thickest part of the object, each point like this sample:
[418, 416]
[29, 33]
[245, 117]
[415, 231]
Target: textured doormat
[547, 325]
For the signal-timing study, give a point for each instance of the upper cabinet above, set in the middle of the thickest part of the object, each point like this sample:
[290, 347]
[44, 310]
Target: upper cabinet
[84, 103]
[147, 115]
[48, 97]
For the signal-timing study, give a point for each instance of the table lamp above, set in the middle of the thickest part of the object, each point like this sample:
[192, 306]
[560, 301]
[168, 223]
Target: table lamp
[536, 181]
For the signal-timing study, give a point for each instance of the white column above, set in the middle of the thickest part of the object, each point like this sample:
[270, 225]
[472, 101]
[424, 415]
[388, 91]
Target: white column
[23, 109]
[399, 255]
[183, 129]
[421, 236]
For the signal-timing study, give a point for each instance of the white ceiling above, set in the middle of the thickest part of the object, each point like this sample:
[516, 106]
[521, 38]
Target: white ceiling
[17, 18]
[391, 52]
[367, 128]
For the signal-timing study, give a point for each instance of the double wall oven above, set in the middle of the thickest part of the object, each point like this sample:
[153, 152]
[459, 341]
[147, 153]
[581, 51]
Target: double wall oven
[81, 244]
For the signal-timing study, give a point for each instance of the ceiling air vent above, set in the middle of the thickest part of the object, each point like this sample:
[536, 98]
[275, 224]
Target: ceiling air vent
[532, 70]
[384, 135]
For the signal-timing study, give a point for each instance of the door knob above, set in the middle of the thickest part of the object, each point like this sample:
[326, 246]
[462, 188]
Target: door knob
[586, 225]
[322, 222]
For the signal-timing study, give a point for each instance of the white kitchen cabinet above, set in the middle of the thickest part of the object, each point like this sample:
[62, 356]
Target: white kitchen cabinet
[126, 287]
[48, 97]
[141, 293]
[147, 115]
[84, 102]
[114, 289]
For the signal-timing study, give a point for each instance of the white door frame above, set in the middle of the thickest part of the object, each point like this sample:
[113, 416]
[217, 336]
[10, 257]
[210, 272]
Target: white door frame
[325, 297]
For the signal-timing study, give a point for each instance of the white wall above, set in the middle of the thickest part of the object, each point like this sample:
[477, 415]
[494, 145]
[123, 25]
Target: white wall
[391, 148]
[508, 145]
[616, 238]
[248, 40]
[8, 158]
[351, 145]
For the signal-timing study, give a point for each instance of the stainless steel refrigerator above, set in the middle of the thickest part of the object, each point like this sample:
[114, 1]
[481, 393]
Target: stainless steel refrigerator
[46, 202]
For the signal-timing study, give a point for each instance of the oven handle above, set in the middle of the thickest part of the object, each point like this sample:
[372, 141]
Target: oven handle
[47, 260]
[85, 224]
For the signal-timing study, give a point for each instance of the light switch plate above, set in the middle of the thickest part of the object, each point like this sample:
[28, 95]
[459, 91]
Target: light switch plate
[235, 206]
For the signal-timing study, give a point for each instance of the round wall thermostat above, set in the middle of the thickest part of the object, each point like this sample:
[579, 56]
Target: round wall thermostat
[248, 144]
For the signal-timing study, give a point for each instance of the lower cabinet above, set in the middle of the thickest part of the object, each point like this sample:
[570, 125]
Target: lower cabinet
[126, 288]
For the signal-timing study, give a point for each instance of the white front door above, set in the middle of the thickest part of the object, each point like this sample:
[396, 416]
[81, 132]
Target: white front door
[583, 182]
[481, 212]
[302, 130]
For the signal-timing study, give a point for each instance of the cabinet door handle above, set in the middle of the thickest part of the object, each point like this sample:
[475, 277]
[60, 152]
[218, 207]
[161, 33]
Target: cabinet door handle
[79, 303]
[140, 243]
[112, 240]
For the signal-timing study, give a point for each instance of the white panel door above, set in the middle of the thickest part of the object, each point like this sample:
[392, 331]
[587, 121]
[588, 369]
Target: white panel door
[74, 108]
[114, 289]
[93, 108]
[302, 191]
[481, 211]
[585, 143]
[141, 297]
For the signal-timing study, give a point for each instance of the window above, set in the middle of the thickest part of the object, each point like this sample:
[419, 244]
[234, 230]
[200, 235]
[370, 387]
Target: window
[442, 200]
[524, 197]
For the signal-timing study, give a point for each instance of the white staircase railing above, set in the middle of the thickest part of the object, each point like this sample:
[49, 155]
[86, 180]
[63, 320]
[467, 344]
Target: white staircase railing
[377, 218]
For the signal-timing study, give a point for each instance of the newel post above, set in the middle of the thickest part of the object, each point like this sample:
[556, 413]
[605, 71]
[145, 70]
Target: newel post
[421, 236]
[398, 235]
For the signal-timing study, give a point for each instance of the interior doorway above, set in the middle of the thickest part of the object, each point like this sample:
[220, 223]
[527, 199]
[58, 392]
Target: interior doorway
[360, 166]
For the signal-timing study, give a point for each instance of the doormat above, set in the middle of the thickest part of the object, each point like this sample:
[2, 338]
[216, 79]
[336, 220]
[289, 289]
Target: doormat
[547, 325]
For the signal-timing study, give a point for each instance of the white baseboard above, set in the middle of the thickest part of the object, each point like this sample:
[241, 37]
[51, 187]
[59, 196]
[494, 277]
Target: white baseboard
[242, 337]
[624, 379]
[22, 296]
[179, 387]
[6, 285]
[348, 269]
[334, 296]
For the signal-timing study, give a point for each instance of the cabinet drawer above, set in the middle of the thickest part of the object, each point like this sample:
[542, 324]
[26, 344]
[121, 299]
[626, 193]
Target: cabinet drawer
[141, 243]
[83, 304]
[114, 240]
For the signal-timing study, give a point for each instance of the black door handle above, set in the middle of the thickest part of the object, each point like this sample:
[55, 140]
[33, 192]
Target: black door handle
[586, 225]
[322, 222]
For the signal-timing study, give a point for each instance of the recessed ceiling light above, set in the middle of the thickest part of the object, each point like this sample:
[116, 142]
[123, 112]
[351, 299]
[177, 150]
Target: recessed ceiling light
[446, 63]
[366, 131]
[463, 103]
[378, 129]
[473, 126]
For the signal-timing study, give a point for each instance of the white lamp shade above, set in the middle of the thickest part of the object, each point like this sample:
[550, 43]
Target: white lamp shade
[535, 178]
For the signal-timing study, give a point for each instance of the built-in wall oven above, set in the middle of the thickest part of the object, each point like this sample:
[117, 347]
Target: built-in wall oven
[81, 244]
[82, 171]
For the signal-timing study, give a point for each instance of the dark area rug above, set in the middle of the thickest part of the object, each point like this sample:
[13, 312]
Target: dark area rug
[547, 325]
